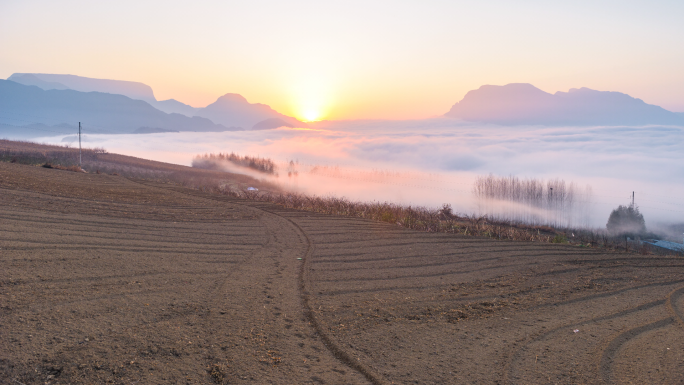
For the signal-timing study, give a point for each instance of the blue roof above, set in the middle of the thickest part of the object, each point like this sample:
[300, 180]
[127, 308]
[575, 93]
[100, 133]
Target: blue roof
[668, 245]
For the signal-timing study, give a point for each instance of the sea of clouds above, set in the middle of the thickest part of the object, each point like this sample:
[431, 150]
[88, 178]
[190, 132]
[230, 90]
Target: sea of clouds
[435, 161]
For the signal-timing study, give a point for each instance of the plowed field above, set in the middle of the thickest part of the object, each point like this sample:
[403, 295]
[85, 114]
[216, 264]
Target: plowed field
[111, 280]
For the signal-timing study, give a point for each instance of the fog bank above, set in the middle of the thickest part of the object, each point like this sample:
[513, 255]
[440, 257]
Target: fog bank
[435, 161]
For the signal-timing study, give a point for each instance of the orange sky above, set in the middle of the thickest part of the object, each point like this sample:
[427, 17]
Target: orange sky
[352, 59]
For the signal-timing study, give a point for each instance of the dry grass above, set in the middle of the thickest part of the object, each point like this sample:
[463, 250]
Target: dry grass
[218, 373]
[39, 154]
[444, 220]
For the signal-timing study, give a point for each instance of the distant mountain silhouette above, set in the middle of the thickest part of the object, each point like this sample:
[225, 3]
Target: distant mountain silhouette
[22, 105]
[133, 90]
[272, 123]
[33, 80]
[172, 106]
[152, 130]
[235, 110]
[524, 104]
[230, 110]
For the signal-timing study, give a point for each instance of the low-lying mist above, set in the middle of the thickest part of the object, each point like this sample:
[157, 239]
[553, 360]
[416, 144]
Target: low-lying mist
[436, 161]
[358, 184]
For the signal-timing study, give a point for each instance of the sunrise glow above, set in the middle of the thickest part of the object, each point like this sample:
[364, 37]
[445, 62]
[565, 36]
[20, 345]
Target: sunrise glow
[311, 115]
[310, 110]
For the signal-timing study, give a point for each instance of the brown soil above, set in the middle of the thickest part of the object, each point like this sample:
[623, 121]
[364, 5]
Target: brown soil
[110, 280]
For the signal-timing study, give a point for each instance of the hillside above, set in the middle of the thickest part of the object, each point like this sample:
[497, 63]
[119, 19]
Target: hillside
[113, 279]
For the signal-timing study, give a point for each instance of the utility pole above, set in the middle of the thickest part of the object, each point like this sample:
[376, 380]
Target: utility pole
[79, 144]
[632, 198]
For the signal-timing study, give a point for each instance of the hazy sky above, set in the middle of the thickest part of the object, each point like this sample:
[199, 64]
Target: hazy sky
[353, 59]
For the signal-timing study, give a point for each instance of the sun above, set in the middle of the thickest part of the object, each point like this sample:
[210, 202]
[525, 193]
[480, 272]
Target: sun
[311, 115]
[310, 95]
[309, 107]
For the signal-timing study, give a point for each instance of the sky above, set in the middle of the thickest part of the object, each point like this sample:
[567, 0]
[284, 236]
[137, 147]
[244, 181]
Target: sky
[352, 59]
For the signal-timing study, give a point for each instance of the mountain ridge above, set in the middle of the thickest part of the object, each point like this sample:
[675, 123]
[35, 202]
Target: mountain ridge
[104, 112]
[229, 110]
[134, 90]
[171, 106]
[525, 104]
[236, 110]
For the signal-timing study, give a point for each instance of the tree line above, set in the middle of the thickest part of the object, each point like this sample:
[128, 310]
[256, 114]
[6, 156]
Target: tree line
[534, 201]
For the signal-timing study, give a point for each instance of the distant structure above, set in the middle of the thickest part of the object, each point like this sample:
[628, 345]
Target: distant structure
[674, 246]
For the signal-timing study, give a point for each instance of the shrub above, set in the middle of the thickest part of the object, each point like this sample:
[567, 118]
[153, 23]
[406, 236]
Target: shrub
[626, 220]
[559, 238]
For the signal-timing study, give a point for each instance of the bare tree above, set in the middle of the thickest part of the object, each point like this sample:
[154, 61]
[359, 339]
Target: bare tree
[533, 201]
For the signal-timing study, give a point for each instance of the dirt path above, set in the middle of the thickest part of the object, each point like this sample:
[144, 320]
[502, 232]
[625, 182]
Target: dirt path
[105, 279]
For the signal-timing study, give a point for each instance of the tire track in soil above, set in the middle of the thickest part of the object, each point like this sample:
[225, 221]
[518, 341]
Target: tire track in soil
[674, 304]
[330, 343]
[609, 293]
[389, 250]
[333, 347]
[514, 357]
[614, 345]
